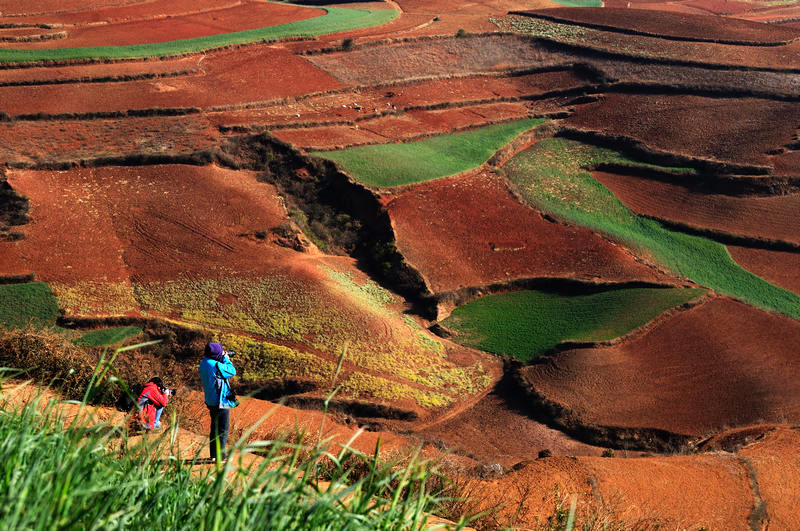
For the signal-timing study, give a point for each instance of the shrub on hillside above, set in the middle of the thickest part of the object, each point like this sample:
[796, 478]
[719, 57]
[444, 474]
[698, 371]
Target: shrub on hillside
[48, 357]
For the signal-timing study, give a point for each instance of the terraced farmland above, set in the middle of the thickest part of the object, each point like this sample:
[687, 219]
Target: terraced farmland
[498, 230]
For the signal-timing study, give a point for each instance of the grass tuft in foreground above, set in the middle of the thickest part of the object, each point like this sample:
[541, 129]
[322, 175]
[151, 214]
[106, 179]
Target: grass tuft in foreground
[552, 175]
[57, 472]
[413, 162]
[524, 324]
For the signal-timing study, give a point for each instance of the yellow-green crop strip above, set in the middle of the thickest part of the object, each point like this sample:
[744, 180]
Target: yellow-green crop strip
[335, 20]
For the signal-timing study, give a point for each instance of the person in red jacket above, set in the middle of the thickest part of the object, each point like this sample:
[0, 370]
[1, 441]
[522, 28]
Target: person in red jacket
[151, 403]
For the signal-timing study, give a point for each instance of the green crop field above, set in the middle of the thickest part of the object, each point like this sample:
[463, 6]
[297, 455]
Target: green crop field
[109, 336]
[399, 164]
[334, 21]
[34, 304]
[552, 176]
[524, 324]
[580, 3]
[21, 304]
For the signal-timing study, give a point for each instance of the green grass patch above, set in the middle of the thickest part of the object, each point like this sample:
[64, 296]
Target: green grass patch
[106, 337]
[524, 324]
[31, 303]
[399, 164]
[552, 175]
[580, 3]
[334, 21]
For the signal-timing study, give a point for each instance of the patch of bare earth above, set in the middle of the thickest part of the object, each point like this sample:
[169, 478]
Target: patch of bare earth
[771, 217]
[720, 364]
[778, 267]
[694, 126]
[472, 231]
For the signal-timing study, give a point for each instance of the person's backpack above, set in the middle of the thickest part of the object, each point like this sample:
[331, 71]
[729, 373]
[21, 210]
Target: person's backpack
[126, 402]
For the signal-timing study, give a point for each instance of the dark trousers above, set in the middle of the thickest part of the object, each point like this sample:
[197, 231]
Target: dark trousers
[220, 420]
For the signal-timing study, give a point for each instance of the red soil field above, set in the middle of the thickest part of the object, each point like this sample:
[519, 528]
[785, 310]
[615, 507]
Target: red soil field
[681, 492]
[722, 363]
[786, 164]
[694, 126]
[449, 229]
[17, 8]
[44, 75]
[472, 17]
[438, 58]
[279, 420]
[772, 217]
[229, 77]
[706, 491]
[777, 466]
[247, 16]
[778, 267]
[492, 431]
[674, 25]
[42, 142]
[152, 9]
[107, 224]
[344, 105]
[723, 7]
[648, 48]
[410, 125]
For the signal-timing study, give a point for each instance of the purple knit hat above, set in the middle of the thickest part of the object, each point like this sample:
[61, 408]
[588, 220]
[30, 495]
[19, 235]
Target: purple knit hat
[214, 351]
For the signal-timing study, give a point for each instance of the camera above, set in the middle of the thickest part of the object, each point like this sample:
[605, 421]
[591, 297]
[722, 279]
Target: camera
[230, 353]
[172, 391]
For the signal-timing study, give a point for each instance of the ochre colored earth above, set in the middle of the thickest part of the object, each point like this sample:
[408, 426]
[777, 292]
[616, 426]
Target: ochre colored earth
[720, 364]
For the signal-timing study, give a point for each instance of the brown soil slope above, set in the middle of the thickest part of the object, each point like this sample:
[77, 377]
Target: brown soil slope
[773, 217]
[109, 224]
[694, 27]
[778, 267]
[693, 125]
[720, 364]
[225, 77]
[472, 231]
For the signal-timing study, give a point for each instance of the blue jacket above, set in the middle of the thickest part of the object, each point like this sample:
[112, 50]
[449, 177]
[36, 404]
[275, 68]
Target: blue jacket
[215, 386]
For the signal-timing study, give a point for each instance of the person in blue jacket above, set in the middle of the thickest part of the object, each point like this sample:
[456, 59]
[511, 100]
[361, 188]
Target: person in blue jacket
[215, 369]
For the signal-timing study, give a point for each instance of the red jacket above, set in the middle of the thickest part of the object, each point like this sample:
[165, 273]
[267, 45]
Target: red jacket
[150, 399]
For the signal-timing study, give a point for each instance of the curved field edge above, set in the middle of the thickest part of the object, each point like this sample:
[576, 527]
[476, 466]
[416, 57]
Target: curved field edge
[525, 324]
[553, 176]
[335, 20]
[389, 165]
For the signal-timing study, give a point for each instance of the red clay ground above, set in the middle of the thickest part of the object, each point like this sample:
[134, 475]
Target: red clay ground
[153, 9]
[191, 226]
[407, 126]
[648, 48]
[674, 25]
[14, 7]
[778, 267]
[720, 364]
[777, 467]
[471, 231]
[693, 125]
[343, 105]
[250, 15]
[26, 143]
[47, 75]
[492, 431]
[438, 58]
[229, 77]
[773, 217]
